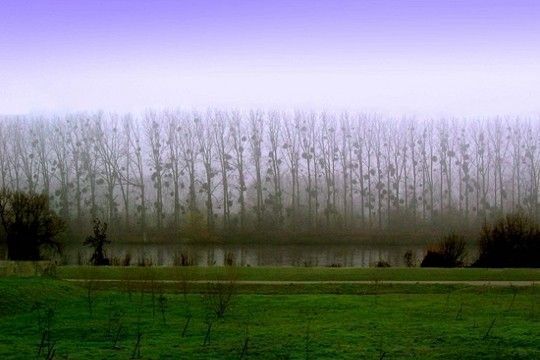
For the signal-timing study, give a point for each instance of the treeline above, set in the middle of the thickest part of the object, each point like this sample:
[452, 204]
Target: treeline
[202, 175]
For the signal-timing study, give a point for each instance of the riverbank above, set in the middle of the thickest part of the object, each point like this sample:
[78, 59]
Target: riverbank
[296, 273]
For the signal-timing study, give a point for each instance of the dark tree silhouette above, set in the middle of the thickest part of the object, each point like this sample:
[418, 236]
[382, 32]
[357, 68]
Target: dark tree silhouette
[98, 242]
[29, 224]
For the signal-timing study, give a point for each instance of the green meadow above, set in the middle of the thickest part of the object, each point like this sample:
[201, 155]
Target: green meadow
[53, 318]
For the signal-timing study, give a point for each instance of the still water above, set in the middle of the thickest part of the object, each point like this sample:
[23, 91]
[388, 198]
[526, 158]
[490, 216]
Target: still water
[250, 255]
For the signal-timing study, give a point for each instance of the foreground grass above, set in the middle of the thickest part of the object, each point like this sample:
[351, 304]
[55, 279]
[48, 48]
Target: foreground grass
[449, 322]
[298, 274]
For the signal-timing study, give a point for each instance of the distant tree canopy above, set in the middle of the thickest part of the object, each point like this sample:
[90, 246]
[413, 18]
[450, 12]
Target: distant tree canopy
[230, 172]
[29, 224]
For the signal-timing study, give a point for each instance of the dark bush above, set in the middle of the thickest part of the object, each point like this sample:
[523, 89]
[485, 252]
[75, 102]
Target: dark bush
[450, 252]
[181, 258]
[229, 259]
[29, 224]
[127, 260]
[513, 241]
[409, 258]
[382, 264]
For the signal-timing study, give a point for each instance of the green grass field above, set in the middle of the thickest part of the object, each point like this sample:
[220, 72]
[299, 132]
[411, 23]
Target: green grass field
[350, 321]
[298, 273]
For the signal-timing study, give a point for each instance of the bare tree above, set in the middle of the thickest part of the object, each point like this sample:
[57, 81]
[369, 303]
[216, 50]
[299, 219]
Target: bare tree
[255, 141]
[190, 156]
[222, 137]
[174, 162]
[61, 163]
[274, 168]
[154, 136]
[203, 131]
[291, 147]
[138, 179]
[109, 146]
[239, 142]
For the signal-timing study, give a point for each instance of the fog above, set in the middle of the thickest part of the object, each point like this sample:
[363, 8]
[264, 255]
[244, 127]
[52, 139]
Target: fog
[220, 173]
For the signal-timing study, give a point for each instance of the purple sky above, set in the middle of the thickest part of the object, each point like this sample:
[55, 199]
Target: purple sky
[463, 58]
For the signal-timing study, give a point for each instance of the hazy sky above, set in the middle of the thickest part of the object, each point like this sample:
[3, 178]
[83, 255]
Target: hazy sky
[461, 57]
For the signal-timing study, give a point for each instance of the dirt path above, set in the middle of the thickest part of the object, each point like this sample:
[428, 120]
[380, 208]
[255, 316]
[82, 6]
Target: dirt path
[309, 282]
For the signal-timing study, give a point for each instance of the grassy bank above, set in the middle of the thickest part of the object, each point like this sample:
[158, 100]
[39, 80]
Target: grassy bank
[298, 274]
[450, 323]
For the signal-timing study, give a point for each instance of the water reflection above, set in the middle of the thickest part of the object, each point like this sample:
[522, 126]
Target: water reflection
[250, 255]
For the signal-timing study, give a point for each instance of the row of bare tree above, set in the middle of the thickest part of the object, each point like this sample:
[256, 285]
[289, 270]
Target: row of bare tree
[231, 171]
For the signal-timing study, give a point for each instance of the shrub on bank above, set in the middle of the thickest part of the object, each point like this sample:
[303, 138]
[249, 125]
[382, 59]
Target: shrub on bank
[450, 252]
[409, 258]
[382, 264]
[28, 224]
[513, 241]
